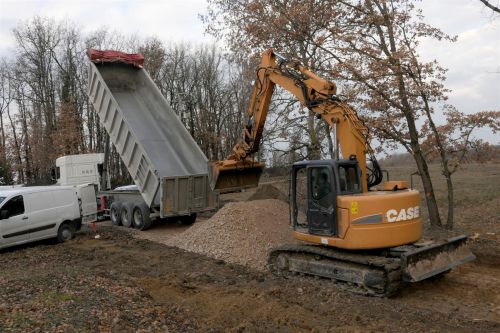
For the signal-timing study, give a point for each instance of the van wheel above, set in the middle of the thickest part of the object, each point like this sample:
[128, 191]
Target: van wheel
[141, 219]
[188, 219]
[65, 232]
[126, 214]
[115, 214]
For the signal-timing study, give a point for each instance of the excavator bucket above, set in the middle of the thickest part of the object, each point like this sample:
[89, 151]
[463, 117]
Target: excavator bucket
[435, 258]
[229, 176]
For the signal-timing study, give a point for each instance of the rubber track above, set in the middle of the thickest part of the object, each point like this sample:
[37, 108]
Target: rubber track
[390, 266]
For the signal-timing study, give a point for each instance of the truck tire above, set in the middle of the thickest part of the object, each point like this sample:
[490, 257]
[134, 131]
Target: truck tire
[115, 213]
[188, 219]
[65, 232]
[141, 219]
[126, 214]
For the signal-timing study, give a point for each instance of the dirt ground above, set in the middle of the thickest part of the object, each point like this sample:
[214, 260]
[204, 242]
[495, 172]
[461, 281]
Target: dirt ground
[120, 283]
[128, 281]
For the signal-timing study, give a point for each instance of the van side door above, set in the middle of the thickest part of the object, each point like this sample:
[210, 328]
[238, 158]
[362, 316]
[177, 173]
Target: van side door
[43, 215]
[14, 225]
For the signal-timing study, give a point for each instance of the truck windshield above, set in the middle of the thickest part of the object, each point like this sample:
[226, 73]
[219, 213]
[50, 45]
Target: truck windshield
[349, 179]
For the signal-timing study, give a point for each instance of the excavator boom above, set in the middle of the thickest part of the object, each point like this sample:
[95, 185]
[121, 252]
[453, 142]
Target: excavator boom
[240, 169]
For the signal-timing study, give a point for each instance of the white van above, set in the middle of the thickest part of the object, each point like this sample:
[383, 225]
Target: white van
[29, 214]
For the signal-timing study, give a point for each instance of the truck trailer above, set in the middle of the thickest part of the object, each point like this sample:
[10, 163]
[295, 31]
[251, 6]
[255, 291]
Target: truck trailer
[167, 166]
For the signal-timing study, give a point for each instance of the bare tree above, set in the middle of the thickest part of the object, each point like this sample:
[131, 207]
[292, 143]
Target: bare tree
[490, 6]
[452, 142]
[36, 41]
[50, 114]
[370, 47]
[6, 99]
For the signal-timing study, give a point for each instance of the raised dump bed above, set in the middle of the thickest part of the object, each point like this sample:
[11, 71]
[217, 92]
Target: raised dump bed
[166, 164]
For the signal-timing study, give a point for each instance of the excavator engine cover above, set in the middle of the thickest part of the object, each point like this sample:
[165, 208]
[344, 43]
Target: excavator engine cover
[229, 176]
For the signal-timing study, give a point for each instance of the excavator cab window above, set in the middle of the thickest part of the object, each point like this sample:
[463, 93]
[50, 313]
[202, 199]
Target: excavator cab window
[299, 202]
[321, 185]
[349, 178]
[314, 196]
[322, 200]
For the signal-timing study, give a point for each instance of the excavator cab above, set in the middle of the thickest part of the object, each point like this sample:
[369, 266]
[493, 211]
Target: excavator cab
[315, 186]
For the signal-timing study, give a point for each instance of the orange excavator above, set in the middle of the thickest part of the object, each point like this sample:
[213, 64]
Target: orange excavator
[369, 239]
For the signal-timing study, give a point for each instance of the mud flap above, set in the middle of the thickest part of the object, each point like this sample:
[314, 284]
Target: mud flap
[229, 176]
[427, 261]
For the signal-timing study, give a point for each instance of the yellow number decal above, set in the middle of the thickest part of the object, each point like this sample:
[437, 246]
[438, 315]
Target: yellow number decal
[354, 207]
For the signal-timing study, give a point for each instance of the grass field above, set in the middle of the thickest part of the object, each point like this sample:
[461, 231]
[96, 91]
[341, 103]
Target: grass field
[476, 190]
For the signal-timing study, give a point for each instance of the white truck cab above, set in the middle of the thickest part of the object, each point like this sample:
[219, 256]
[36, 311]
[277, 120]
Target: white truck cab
[80, 169]
[29, 214]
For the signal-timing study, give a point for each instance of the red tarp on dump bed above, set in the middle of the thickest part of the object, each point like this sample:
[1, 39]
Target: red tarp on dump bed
[134, 59]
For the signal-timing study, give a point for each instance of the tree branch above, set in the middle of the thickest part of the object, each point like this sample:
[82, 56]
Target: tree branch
[490, 6]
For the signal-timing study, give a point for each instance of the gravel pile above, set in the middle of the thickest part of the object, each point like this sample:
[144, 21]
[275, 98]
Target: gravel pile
[268, 191]
[240, 232]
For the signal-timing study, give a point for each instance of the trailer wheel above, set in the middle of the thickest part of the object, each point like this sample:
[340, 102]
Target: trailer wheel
[115, 213]
[141, 219]
[126, 214]
[188, 219]
[66, 232]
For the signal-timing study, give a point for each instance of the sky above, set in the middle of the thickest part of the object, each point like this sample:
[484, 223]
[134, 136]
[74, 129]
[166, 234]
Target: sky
[473, 61]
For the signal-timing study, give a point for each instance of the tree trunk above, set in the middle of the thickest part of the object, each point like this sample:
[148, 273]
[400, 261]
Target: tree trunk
[314, 148]
[331, 147]
[19, 162]
[449, 186]
[4, 149]
[430, 198]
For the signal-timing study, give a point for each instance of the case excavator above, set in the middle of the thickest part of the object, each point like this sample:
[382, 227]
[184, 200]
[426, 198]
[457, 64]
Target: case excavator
[370, 240]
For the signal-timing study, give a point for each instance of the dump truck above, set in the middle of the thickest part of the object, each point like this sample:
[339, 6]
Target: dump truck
[167, 166]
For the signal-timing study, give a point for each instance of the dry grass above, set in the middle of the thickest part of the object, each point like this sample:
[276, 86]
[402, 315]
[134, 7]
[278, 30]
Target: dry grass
[476, 190]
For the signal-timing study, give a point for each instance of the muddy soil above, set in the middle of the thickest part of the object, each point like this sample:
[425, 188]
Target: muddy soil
[121, 284]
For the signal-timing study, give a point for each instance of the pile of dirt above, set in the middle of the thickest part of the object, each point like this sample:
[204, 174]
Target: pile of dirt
[240, 232]
[268, 191]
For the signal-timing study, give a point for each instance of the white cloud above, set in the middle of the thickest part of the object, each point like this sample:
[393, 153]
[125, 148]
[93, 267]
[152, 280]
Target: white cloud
[169, 20]
[473, 61]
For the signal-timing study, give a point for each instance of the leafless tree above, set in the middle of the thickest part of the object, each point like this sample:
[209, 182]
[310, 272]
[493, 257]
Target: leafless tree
[369, 47]
[491, 6]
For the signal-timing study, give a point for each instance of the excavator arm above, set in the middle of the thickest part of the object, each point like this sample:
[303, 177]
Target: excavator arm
[240, 170]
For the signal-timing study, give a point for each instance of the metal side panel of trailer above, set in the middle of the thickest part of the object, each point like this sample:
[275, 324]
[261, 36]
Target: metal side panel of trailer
[186, 195]
[147, 134]
[179, 196]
